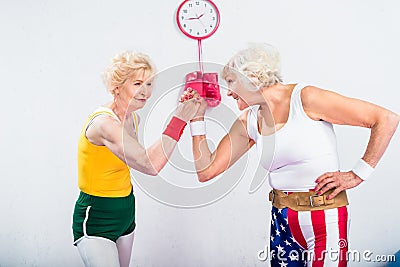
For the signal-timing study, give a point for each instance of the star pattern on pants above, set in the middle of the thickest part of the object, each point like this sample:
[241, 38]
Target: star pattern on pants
[284, 250]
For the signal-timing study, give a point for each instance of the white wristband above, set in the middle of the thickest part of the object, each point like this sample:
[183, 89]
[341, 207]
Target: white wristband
[198, 128]
[362, 169]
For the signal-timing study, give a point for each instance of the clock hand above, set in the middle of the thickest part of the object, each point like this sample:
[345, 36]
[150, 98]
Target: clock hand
[198, 17]
[202, 24]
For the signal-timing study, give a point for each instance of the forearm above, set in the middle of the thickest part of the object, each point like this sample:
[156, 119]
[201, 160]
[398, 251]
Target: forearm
[159, 153]
[381, 134]
[143, 160]
[231, 147]
[201, 153]
[154, 158]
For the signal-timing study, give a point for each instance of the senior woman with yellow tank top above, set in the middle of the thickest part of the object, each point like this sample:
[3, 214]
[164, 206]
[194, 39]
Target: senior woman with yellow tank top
[104, 214]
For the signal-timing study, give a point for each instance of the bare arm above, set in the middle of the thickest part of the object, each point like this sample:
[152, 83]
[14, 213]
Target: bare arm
[232, 146]
[106, 131]
[334, 108]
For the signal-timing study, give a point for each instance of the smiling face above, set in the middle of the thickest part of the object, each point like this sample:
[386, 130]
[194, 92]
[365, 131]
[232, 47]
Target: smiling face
[135, 91]
[238, 91]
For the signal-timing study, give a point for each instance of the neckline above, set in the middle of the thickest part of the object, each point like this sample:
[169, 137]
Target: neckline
[109, 110]
[289, 116]
[135, 122]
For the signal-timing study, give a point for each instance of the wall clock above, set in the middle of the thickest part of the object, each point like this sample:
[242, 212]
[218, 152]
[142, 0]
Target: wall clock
[198, 19]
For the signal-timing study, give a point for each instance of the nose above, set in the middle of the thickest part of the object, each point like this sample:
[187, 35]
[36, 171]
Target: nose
[143, 90]
[232, 94]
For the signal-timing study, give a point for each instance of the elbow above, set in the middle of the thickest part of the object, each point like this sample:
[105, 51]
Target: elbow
[396, 119]
[148, 168]
[204, 176]
[152, 172]
[387, 120]
[393, 120]
[210, 172]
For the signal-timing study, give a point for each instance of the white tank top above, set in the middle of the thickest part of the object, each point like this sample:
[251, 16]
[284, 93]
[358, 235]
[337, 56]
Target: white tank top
[299, 152]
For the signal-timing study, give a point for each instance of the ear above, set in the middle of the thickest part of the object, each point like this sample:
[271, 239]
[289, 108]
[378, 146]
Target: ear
[116, 91]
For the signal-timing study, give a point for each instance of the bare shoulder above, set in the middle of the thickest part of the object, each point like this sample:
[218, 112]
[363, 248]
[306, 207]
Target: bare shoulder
[315, 100]
[310, 94]
[321, 104]
[103, 128]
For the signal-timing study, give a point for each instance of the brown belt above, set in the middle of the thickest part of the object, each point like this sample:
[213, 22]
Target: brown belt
[306, 201]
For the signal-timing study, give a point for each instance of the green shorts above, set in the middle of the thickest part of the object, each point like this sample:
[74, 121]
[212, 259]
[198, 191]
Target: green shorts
[107, 217]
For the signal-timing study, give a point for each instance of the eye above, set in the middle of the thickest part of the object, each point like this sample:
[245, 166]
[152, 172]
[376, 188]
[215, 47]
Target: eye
[229, 81]
[137, 83]
[148, 84]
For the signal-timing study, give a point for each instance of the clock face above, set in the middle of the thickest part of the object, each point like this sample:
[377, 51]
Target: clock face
[198, 19]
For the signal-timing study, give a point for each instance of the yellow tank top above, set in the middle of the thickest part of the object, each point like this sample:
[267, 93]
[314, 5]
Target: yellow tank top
[100, 172]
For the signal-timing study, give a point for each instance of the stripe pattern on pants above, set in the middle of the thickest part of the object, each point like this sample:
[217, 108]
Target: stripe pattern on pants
[309, 238]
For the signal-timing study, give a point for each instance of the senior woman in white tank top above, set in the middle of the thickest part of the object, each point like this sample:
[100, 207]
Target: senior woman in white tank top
[309, 213]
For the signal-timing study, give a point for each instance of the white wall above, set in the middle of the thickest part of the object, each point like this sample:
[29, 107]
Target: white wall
[51, 57]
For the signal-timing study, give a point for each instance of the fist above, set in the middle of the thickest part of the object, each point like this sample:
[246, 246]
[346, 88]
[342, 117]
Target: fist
[211, 89]
[188, 94]
[206, 84]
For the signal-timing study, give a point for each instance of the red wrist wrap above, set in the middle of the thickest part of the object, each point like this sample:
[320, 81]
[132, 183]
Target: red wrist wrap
[175, 128]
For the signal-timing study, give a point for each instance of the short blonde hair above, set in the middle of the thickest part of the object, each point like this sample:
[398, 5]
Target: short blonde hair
[124, 66]
[259, 62]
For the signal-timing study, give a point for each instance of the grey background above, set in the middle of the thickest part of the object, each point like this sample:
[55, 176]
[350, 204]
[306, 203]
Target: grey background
[52, 54]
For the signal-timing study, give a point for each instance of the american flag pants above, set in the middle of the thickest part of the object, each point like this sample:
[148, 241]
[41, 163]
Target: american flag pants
[309, 238]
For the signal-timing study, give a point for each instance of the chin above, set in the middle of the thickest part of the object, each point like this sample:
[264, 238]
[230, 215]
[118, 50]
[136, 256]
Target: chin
[135, 107]
[242, 105]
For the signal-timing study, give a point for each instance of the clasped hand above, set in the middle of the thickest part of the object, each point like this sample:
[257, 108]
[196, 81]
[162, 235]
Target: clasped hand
[190, 94]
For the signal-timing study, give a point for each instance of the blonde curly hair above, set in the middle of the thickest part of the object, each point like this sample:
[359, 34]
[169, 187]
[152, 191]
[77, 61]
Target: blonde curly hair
[259, 63]
[124, 66]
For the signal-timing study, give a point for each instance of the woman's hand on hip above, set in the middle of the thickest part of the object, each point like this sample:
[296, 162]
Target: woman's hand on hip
[338, 181]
